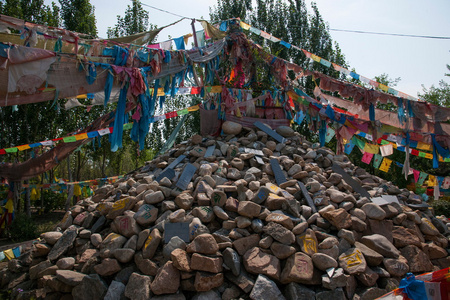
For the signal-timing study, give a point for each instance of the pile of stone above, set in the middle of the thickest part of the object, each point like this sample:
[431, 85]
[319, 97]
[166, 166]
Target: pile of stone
[249, 217]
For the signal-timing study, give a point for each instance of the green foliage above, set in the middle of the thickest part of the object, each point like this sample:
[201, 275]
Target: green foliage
[438, 95]
[53, 200]
[78, 16]
[22, 228]
[441, 207]
[32, 11]
[134, 21]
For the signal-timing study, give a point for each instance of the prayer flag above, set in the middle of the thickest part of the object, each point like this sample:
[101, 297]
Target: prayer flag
[377, 160]
[104, 131]
[330, 134]
[386, 150]
[69, 139]
[422, 178]
[385, 164]
[81, 136]
[23, 147]
[243, 25]
[416, 175]
[367, 157]
[371, 148]
[11, 150]
[349, 147]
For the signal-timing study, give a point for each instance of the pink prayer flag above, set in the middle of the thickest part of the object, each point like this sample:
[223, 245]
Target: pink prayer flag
[367, 157]
[416, 175]
[154, 46]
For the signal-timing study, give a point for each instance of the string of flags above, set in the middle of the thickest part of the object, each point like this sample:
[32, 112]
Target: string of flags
[325, 62]
[96, 133]
[11, 253]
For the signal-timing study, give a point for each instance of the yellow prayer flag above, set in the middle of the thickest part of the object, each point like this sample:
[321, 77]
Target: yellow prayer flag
[432, 180]
[371, 148]
[77, 190]
[244, 25]
[193, 108]
[81, 136]
[423, 146]
[83, 96]
[315, 57]
[23, 147]
[385, 164]
[216, 89]
[429, 155]
[383, 87]
[161, 92]
[9, 254]
[293, 95]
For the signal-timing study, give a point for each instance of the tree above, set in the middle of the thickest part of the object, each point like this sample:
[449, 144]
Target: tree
[438, 95]
[134, 21]
[33, 11]
[78, 16]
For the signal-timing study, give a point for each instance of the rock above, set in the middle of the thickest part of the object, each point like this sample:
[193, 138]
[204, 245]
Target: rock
[373, 211]
[285, 131]
[294, 291]
[282, 251]
[308, 242]
[166, 274]
[205, 281]
[138, 287]
[381, 245]
[402, 238]
[146, 215]
[372, 257]
[323, 262]
[418, 261]
[126, 226]
[184, 201]
[151, 244]
[258, 262]
[299, 267]
[368, 277]
[243, 244]
[91, 287]
[334, 294]
[279, 233]
[428, 228]
[51, 237]
[63, 244]
[107, 267]
[249, 209]
[70, 277]
[204, 263]
[232, 261]
[65, 263]
[116, 291]
[338, 279]
[339, 218]
[231, 128]
[265, 288]
[124, 255]
[204, 244]
[396, 267]
[352, 261]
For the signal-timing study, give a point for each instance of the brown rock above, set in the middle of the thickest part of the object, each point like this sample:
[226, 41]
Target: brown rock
[372, 257]
[368, 277]
[280, 219]
[339, 218]
[126, 226]
[151, 244]
[308, 242]
[243, 244]
[181, 260]
[204, 263]
[299, 268]
[258, 262]
[279, 233]
[204, 244]
[249, 209]
[402, 238]
[396, 267]
[434, 251]
[418, 261]
[109, 266]
[282, 251]
[205, 281]
[352, 261]
[167, 280]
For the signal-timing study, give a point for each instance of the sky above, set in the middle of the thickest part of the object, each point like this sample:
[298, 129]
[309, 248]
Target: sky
[417, 61]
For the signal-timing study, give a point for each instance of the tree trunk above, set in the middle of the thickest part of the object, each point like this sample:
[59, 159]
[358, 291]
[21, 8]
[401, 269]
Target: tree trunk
[27, 202]
[70, 192]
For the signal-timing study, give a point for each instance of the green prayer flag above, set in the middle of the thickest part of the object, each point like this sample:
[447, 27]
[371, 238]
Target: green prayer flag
[127, 126]
[359, 143]
[384, 142]
[69, 139]
[183, 112]
[11, 150]
[422, 154]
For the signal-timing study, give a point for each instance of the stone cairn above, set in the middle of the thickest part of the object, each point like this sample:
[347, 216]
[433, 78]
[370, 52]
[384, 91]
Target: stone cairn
[247, 237]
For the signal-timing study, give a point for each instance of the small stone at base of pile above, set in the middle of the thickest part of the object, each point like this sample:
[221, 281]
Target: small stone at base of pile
[240, 235]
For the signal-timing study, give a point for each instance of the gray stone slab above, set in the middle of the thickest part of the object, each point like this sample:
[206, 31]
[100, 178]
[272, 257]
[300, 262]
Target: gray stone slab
[168, 172]
[349, 180]
[259, 160]
[176, 162]
[279, 176]
[254, 151]
[385, 199]
[307, 196]
[186, 176]
[270, 132]
[180, 230]
[210, 150]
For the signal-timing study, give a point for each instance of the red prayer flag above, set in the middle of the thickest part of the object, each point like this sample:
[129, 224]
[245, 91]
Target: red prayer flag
[2, 151]
[414, 152]
[196, 90]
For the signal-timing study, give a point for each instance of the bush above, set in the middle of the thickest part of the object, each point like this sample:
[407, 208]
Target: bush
[22, 228]
[53, 200]
[441, 207]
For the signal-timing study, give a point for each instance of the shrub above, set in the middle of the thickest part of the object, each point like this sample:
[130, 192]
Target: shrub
[441, 207]
[22, 228]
